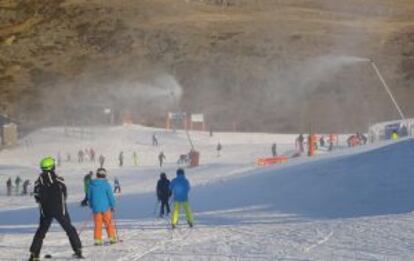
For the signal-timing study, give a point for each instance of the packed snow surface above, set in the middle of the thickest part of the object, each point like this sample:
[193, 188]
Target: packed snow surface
[349, 204]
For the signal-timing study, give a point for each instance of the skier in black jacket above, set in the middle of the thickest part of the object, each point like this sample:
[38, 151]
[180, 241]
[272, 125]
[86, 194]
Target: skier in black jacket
[163, 193]
[50, 193]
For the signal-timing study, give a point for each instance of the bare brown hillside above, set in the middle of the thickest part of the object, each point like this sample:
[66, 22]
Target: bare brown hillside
[264, 65]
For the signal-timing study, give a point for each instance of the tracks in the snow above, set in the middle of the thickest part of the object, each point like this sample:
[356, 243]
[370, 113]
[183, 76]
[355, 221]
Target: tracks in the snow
[323, 240]
[176, 236]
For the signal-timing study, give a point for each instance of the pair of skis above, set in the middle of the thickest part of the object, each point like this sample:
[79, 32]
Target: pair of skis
[74, 257]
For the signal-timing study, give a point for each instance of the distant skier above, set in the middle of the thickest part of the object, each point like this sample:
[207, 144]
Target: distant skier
[17, 182]
[394, 135]
[135, 158]
[180, 187]
[349, 140]
[9, 185]
[117, 186]
[219, 148]
[331, 145]
[161, 158]
[121, 159]
[26, 185]
[50, 192]
[163, 193]
[101, 161]
[154, 140]
[102, 202]
[81, 155]
[322, 141]
[299, 143]
[183, 158]
[86, 181]
[92, 154]
[274, 150]
[363, 138]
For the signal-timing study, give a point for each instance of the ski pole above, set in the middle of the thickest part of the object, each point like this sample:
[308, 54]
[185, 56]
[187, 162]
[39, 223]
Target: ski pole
[156, 207]
[116, 227]
[83, 226]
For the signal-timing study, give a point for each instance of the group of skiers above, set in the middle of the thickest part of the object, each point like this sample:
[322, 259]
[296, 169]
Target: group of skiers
[90, 155]
[50, 193]
[356, 139]
[17, 182]
[121, 159]
[179, 189]
[84, 155]
[323, 141]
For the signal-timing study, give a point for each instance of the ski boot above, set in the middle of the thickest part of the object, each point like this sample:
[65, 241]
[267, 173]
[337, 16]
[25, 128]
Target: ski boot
[34, 257]
[98, 242]
[190, 224]
[112, 240]
[78, 254]
[173, 226]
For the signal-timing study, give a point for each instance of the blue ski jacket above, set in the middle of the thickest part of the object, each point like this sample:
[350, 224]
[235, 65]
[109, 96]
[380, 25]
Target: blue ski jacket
[180, 187]
[100, 195]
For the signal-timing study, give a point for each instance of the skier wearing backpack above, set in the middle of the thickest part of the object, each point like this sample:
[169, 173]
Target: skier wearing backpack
[163, 193]
[102, 202]
[180, 187]
[50, 192]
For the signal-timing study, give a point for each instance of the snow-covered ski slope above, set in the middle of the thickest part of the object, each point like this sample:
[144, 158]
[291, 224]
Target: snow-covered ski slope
[353, 204]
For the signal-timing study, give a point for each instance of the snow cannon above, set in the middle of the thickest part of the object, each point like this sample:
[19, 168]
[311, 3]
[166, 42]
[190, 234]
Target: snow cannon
[271, 161]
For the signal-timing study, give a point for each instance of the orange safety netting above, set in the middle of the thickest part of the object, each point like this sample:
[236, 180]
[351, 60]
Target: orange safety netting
[271, 161]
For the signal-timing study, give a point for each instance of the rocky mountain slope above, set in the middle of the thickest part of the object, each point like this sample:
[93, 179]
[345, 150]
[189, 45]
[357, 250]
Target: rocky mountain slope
[262, 65]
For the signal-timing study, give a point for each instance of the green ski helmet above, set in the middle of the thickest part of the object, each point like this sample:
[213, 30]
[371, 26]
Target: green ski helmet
[47, 164]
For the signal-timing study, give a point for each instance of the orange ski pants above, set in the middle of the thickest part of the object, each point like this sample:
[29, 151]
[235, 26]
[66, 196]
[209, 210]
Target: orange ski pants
[104, 218]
